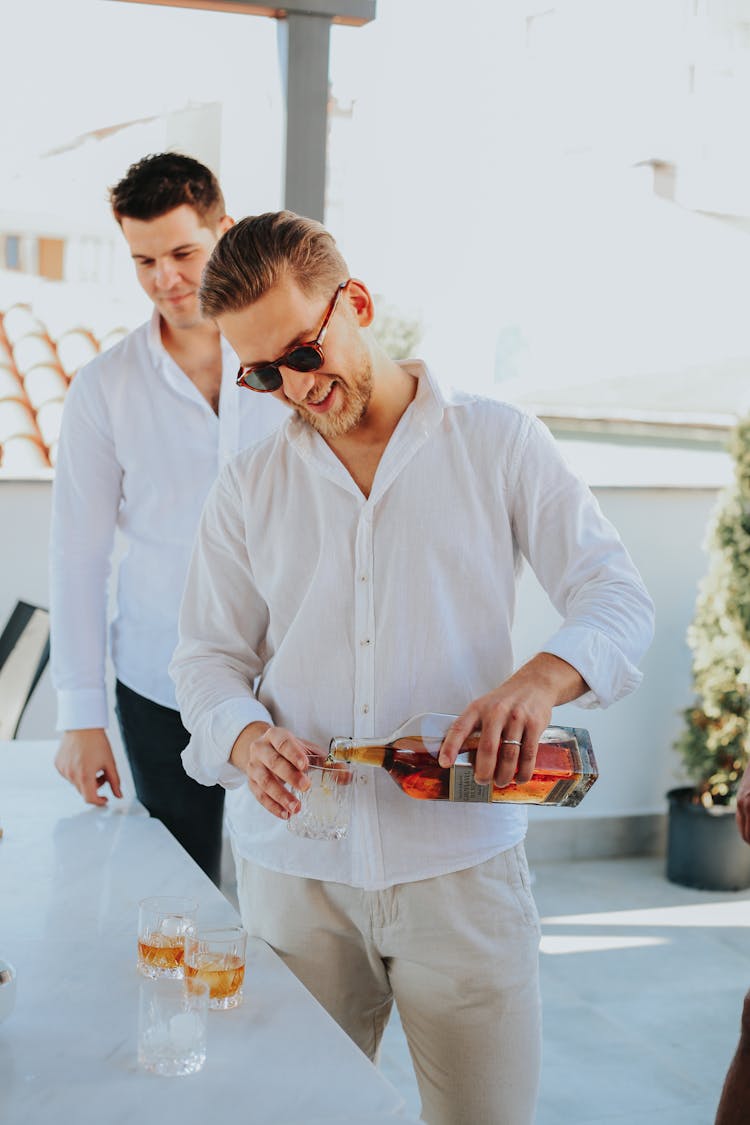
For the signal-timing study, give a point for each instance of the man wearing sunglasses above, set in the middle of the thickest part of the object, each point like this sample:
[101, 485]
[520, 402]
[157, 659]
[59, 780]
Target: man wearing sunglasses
[355, 569]
[146, 427]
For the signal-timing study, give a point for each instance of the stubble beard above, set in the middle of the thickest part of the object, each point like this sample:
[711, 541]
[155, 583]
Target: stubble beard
[357, 393]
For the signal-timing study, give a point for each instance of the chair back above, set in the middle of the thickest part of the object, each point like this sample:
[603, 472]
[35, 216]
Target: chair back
[24, 652]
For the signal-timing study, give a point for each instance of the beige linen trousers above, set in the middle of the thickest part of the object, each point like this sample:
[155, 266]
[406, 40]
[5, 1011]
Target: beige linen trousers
[457, 952]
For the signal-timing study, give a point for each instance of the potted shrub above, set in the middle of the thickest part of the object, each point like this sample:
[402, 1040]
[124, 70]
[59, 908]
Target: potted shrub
[704, 847]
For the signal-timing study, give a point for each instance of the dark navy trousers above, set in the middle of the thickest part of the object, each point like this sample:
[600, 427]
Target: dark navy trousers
[154, 738]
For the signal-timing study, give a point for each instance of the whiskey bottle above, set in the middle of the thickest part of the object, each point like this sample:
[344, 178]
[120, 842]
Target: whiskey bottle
[564, 772]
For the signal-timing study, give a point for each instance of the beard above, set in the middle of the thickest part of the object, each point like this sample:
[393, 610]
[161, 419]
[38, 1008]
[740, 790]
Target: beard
[356, 392]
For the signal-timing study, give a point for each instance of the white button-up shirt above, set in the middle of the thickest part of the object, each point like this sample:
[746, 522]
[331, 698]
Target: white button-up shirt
[349, 614]
[139, 450]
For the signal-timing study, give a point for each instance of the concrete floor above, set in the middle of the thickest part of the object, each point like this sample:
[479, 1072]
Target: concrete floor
[642, 985]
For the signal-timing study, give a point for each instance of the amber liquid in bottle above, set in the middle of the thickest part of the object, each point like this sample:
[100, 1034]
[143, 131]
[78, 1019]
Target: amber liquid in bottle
[564, 772]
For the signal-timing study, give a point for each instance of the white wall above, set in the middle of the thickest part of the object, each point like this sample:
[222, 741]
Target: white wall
[664, 531]
[24, 539]
[24, 522]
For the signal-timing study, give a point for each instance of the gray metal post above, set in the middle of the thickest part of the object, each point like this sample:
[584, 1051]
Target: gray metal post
[304, 48]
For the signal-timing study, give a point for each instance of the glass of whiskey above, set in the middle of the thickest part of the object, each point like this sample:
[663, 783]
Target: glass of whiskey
[162, 923]
[216, 957]
[325, 808]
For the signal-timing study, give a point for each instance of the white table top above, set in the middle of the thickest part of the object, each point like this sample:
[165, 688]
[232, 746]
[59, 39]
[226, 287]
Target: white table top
[70, 880]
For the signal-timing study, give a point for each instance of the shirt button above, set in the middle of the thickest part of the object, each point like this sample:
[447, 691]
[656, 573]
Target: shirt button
[363, 577]
[366, 709]
[365, 642]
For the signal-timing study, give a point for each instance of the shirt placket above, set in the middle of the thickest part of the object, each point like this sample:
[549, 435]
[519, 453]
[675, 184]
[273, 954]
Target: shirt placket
[364, 626]
[367, 858]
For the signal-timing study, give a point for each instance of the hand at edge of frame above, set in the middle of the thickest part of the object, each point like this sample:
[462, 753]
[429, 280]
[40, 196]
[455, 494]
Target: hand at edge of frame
[85, 759]
[743, 806]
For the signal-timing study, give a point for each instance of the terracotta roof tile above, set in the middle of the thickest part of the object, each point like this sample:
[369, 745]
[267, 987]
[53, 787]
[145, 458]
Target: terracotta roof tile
[19, 321]
[75, 348]
[31, 350]
[36, 368]
[23, 454]
[109, 339]
[11, 385]
[48, 420]
[44, 383]
[16, 419]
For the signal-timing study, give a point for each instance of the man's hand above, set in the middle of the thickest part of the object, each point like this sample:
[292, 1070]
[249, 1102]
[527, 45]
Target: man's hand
[273, 758]
[743, 806]
[511, 718]
[85, 758]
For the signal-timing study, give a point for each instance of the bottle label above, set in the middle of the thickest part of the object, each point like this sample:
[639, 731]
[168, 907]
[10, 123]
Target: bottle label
[559, 792]
[464, 787]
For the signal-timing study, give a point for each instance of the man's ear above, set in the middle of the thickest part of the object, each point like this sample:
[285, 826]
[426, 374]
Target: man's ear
[360, 299]
[225, 223]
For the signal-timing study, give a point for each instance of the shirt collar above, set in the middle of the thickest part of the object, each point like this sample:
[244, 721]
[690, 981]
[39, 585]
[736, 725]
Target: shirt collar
[426, 408]
[418, 422]
[159, 352]
[155, 346]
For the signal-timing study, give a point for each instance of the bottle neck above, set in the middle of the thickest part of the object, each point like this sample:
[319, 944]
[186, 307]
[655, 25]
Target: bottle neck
[369, 751]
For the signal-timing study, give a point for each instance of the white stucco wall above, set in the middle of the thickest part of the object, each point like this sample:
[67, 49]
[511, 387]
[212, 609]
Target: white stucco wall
[24, 523]
[664, 530]
[24, 537]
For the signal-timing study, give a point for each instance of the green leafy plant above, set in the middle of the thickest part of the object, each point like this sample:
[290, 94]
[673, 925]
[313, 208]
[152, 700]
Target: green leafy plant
[716, 740]
[397, 334]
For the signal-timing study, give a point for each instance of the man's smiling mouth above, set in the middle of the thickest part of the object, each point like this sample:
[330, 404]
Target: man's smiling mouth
[323, 401]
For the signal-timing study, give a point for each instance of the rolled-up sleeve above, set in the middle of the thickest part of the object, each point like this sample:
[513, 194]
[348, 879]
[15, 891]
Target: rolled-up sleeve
[579, 559]
[223, 621]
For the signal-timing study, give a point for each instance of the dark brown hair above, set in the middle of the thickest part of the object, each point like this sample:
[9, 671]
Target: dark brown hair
[158, 183]
[255, 254]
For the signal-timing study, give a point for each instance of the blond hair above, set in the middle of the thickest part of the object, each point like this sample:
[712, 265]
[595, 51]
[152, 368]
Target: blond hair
[259, 251]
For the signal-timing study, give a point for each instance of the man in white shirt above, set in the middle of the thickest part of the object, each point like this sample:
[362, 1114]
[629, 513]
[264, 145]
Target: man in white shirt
[354, 569]
[146, 428]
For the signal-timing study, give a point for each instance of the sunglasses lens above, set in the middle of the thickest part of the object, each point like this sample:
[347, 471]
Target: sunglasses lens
[263, 378]
[303, 359]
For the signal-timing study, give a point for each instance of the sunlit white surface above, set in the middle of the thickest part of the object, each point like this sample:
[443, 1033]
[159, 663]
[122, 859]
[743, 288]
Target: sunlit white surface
[585, 943]
[720, 914]
[70, 884]
[611, 465]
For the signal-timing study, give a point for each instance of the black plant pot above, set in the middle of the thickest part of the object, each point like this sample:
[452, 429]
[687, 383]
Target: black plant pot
[704, 847]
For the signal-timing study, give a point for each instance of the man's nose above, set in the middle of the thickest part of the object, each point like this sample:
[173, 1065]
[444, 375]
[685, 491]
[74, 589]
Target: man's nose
[297, 384]
[166, 274]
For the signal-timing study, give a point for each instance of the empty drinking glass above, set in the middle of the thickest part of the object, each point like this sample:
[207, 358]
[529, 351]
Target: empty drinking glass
[172, 1026]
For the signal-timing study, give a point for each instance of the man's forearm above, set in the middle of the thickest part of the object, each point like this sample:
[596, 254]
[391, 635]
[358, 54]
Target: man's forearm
[560, 679]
